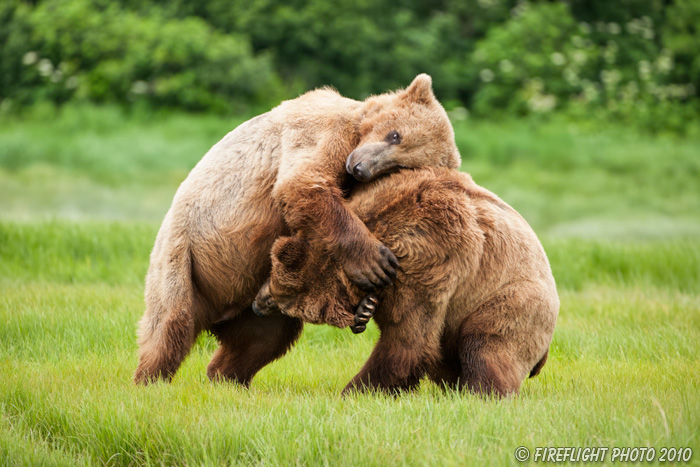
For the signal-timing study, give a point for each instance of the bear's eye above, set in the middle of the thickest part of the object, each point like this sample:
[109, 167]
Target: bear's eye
[393, 137]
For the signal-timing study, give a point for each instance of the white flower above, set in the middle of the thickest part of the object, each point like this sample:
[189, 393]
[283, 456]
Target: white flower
[579, 57]
[487, 3]
[678, 91]
[542, 102]
[30, 58]
[610, 77]
[139, 87]
[506, 66]
[479, 55]
[614, 29]
[486, 75]
[584, 28]
[535, 85]
[72, 82]
[56, 76]
[519, 9]
[571, 76]
[664, 63]
[558, 58]
[644, 68]
[45, 67]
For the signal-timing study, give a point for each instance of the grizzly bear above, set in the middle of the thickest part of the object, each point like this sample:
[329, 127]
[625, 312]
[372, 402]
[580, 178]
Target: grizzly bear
[286, 171]
[474, 303]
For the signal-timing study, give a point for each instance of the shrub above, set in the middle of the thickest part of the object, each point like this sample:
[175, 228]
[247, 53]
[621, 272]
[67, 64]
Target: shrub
[66, 49]
[543, 59]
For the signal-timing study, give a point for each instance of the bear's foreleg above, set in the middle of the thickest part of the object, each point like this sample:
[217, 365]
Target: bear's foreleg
[313, 203]
[406, 349]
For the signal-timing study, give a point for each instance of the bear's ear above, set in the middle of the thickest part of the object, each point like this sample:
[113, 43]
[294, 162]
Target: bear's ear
[420, 90]
[291, 252]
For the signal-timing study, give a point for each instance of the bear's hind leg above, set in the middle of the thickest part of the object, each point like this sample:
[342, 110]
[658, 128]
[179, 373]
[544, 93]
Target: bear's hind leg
[506, 339]
[538, 366]
[249, 342]
[485, 370]
[163, 346]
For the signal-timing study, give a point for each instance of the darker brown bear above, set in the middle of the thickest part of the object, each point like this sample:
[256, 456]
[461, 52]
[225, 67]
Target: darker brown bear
[474, 304]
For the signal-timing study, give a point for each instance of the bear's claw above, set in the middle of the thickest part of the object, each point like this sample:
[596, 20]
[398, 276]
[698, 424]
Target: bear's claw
[378, 271]
[363, 313]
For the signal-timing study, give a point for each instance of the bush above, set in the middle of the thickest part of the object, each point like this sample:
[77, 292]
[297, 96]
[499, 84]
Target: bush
[68, 49]
[360, 47]
[631, 60]
[544, 59]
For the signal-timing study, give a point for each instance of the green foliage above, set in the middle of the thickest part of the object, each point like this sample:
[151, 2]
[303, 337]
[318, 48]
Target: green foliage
[543, 59]
[681, 37]
[520, 62]
[359, 47]
[70, 49]
[632, 60]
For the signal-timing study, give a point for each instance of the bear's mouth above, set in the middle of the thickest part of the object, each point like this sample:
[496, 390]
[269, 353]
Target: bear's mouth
[393, 170]
[329, 315]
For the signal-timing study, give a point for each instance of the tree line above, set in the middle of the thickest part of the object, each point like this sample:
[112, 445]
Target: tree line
[634, 59]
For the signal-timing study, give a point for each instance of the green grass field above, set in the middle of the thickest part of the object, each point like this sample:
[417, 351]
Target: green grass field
[81, 197]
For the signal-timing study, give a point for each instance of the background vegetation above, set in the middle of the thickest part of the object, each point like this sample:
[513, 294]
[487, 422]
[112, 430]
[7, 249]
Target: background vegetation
[634, 60]
[583, 115]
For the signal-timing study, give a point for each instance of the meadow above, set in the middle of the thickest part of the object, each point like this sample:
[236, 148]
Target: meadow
[82, 193]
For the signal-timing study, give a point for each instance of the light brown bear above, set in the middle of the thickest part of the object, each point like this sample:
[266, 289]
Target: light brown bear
[282, 172]
[474, 304]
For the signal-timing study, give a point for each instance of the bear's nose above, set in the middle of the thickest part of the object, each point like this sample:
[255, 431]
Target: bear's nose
[265, 306]
[257, 310]
[348, 163]
[360, 172]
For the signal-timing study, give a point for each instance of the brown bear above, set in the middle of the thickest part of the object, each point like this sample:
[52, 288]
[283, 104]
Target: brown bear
[282, 172]
[474, 304]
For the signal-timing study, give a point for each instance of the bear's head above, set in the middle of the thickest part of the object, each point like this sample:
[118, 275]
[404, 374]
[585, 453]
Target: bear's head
[406, 129]
[306, 283]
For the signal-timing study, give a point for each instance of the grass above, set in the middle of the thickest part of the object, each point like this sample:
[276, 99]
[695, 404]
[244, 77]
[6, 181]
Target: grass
[623, 369]
[568, 179]
[82, 193]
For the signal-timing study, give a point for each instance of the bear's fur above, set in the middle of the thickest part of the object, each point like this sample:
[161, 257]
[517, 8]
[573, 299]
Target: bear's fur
[474, 304]
[282, 172]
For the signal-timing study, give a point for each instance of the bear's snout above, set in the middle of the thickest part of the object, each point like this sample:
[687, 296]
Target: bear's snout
[360, 172]
[264, 304]
[366, 161]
